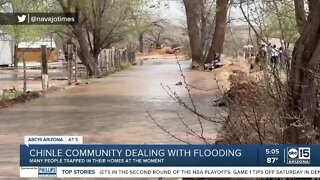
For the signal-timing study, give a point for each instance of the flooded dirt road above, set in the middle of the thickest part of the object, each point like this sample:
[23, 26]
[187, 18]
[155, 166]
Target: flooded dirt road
[10, 77]
[111, 110]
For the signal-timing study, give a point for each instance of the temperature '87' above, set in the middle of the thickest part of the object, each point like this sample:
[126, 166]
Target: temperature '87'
[271, 160]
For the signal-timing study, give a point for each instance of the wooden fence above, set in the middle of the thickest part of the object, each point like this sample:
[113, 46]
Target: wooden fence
[110, 59]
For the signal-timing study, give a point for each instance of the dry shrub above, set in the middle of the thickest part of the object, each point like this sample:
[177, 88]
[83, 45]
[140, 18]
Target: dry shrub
[223, 74]
[254, 117]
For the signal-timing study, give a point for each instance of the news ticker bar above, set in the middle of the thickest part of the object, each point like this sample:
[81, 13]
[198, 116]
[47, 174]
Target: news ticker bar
[170, 172]
[38, 18]
[85, 155]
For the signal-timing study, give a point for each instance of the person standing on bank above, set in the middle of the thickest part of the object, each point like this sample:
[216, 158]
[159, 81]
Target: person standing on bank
[261, 57]
[252, 60]
[274, 56]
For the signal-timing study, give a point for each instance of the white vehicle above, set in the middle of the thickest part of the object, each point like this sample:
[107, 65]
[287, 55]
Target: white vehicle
[6, 51]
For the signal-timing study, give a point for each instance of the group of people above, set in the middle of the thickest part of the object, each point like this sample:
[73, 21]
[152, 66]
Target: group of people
[265, 54]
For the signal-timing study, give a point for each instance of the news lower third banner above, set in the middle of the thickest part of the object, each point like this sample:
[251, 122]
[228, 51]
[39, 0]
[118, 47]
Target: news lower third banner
[71, 158]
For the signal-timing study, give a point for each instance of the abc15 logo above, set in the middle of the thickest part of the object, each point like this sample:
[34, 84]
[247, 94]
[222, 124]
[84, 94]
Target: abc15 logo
[303, 153]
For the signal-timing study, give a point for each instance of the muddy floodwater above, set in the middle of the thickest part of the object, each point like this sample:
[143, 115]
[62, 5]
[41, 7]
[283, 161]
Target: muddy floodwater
[112, 110]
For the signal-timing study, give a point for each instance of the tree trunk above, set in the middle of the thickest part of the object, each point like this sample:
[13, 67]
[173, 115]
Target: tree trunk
[141, 42]
[220, 29]
[193, 12]
[303, 102]
[85, 56]
[300, 14]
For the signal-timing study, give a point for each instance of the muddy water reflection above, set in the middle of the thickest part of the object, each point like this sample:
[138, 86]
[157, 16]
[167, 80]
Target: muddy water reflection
[110, 110]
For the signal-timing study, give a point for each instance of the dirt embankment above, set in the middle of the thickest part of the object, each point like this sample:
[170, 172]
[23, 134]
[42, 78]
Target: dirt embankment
[254, 116]
[20, 99]
[23, 98]
[223, 74]
[165, 52]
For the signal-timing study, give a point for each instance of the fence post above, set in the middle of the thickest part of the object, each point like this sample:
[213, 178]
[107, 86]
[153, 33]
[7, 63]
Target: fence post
[70, 47]
[105, 60]
[101, 61]
[76, 66]
[134, 55]
[119, 58]
[130, 53]
[113, 57]
[24, 72]
[108, 60]
[44, 67]
[126, 54]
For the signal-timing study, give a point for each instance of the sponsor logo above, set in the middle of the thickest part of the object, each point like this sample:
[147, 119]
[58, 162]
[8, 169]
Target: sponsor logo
[47, 172]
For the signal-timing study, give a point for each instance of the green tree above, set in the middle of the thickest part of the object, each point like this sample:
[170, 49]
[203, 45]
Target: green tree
[101, 23]
[141, 22]
[282, 22]
[206, 29]
[20, 33]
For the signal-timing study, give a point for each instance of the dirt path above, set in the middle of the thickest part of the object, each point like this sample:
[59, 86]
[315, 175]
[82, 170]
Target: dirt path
[108, 110]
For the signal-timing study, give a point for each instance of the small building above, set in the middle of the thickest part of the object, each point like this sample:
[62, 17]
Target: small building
[6, 50]
[32, 50]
